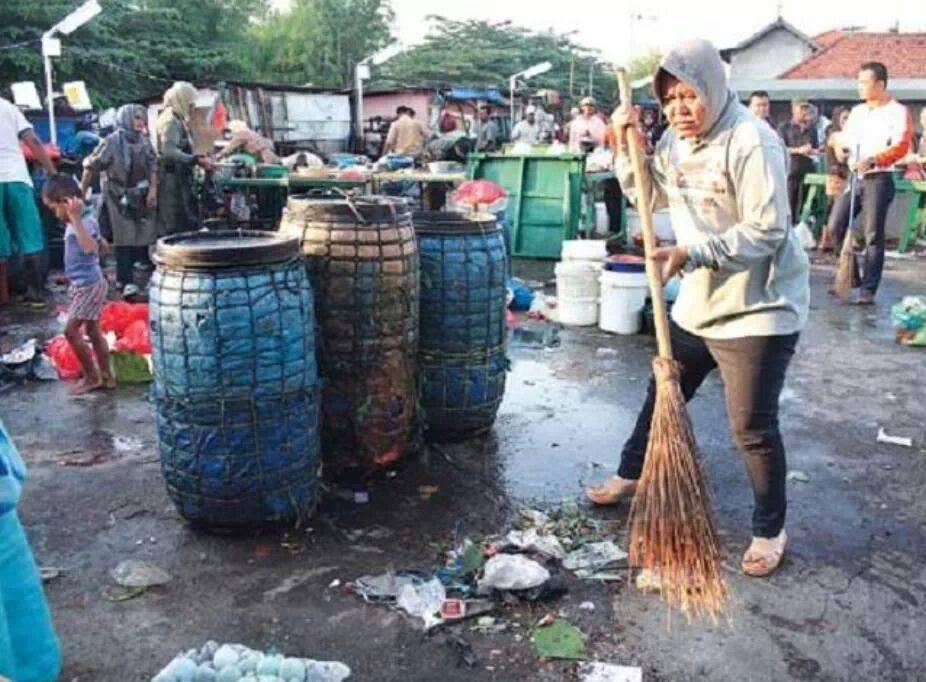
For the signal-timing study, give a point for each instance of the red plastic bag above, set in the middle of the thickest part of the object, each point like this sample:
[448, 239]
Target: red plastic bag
[136, 339]
[479, 192]
[63, 357]
[119, 315]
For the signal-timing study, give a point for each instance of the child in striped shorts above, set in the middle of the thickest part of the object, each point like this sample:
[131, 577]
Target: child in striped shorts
[88, 287]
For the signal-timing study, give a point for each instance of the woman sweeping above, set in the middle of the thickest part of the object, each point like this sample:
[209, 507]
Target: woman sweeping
[745, 290]
[127, 161]
[176, 203]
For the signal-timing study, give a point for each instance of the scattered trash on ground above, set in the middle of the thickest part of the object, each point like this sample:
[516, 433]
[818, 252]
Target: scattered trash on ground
[512, 572]
[590, 559]
[49, 573]
[135, 573]
[894, 440]
[587, 606]
[798, 475]
[607, 672]
[384, 587]
[234, 662]
[559, 640]
[531, 540]
[423, 601]
[606, 353]
[909, 320]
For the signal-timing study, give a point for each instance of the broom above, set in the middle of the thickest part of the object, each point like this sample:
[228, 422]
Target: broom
[846, 271]
[671, 522]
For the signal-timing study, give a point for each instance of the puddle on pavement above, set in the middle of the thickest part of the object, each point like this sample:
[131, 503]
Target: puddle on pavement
[554, 433]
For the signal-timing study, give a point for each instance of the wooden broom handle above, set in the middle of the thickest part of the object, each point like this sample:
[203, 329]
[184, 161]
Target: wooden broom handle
[644, 208]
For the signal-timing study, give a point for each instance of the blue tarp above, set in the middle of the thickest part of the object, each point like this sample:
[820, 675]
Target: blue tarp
[474, 93]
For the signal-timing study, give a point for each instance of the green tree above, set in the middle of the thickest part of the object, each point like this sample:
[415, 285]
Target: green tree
[134, 48]
[486, 53]
[319, 41]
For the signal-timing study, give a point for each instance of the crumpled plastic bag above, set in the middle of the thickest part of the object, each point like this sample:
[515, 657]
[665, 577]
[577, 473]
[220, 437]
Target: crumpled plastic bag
[63, 357]
[909, 320]
[482, 193]
[136, 339]
[423, 601]
[117, 316]
[512, 572]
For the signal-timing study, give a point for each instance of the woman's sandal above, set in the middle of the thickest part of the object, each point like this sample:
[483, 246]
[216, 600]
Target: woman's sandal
[611, 491]
[764, 555]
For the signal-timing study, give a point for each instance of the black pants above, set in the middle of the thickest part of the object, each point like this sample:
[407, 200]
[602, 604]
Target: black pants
[126, 257]
[873, 201]
[795, 182]
[753, 372]
[611, 189]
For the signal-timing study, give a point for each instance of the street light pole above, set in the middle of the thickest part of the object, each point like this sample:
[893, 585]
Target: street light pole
[51, 47]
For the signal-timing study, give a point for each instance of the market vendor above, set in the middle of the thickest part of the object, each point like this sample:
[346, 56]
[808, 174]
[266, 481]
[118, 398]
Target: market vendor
[130, 195]
[176, 203]
[406, 136]
[243, 139]
[745, 288]
[586, 131]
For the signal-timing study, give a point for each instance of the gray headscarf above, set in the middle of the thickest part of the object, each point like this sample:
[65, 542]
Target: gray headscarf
[698, 63]
[126, 134]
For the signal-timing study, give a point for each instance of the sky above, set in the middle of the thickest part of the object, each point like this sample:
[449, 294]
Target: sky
[605, 25]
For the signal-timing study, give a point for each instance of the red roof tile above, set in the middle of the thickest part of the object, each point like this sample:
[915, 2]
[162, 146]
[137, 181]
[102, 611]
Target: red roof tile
[904, 55]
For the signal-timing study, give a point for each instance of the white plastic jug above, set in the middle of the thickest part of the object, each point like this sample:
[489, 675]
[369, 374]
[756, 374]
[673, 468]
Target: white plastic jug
[577, 292]
[623, 295]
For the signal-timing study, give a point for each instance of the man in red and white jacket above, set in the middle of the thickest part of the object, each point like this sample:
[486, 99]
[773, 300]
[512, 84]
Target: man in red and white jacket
[878, 134]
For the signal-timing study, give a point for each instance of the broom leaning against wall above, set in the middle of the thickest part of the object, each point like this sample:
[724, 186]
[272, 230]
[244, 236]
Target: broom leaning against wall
[745, 288]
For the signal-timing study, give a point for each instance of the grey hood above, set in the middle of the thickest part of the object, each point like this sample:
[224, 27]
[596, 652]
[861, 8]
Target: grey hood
[698, 63]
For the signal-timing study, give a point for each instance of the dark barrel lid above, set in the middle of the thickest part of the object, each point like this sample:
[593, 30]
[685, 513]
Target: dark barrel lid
[353, 210]
[224, 249]
[440, 222]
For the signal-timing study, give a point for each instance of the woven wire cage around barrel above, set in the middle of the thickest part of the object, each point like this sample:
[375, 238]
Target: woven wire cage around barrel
[235, 378]
[462, 357]
[363, 260]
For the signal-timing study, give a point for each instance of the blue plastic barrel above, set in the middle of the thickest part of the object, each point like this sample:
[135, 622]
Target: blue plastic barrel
[461, 360]
[235, 378]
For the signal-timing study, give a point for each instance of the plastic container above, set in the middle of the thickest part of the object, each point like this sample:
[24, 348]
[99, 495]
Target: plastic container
[235, 380]
[461, 358]
[29, 650]
[577, 292]
[623, 295]
[585, 249]
[662, 223]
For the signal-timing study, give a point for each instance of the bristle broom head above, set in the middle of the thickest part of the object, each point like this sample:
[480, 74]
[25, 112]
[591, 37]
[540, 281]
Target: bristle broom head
[845, 270]
[671, 521]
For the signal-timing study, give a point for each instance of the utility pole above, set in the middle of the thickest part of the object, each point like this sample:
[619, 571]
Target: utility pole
[572, 77]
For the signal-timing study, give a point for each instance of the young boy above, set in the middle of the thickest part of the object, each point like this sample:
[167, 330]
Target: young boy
[88, 287]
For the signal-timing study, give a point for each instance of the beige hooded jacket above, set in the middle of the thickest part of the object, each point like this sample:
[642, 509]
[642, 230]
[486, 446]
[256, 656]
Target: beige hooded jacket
[726, 192]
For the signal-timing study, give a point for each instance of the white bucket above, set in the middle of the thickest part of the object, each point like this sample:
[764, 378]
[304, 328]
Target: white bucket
[623, 295]
[662, 225]
[584, 249]
[577, 291]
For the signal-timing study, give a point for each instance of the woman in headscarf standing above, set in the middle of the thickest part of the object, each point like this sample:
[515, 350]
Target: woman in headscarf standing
[176, 203]
[130, 191]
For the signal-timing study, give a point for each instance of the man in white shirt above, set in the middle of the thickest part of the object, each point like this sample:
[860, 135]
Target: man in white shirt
[878, 134]
[527, 129]
[20, 226]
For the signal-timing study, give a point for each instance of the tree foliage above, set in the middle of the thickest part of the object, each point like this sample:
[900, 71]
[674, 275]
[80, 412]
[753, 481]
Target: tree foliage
[487, 53]
[134, 48]
[320, 41]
